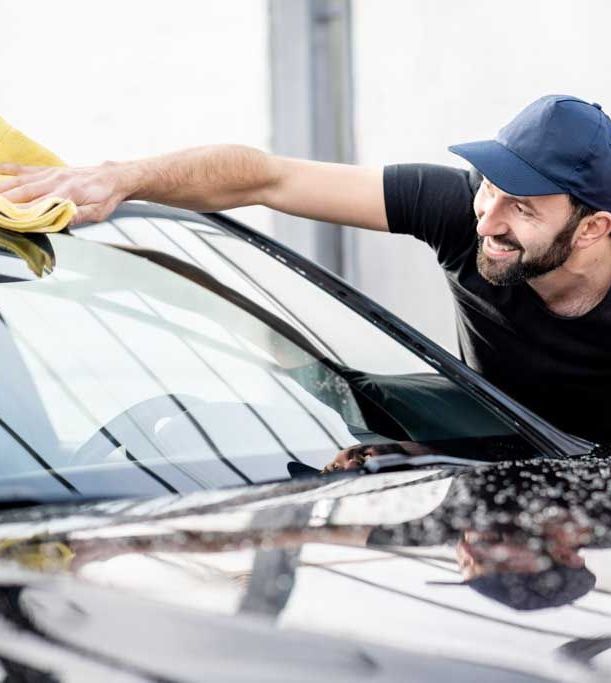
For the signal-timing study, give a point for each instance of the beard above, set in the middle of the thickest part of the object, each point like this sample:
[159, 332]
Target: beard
[505, 274]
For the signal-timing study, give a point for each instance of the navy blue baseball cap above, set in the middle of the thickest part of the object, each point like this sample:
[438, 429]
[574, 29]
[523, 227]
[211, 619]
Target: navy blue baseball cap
[556, 586]
[558, 145]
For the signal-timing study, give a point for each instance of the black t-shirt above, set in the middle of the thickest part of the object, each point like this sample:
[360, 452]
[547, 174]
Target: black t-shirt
[558, 367]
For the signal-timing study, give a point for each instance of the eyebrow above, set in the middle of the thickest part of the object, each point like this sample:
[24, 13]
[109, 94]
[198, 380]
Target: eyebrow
[518, 198]
[524, 200]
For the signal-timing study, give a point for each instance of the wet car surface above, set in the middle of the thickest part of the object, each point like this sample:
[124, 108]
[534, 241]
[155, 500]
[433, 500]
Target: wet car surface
[173, 385]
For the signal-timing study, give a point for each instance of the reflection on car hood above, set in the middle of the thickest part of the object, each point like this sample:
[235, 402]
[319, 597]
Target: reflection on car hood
[346, 576]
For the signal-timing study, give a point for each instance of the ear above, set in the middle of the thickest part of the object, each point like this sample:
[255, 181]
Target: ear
[593, 228]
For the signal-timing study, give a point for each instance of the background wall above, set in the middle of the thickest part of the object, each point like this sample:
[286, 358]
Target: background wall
[119, 80]
[124, 79]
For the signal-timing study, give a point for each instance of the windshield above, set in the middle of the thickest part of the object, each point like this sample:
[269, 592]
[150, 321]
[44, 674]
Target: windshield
[177, 357]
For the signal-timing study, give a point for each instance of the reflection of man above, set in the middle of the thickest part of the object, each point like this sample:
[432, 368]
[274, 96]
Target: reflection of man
[517, 531]
[523, 574]
[527, 252]
[354, 457]
[473, 449]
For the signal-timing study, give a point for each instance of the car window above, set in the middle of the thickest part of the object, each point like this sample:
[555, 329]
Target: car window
[178, 357]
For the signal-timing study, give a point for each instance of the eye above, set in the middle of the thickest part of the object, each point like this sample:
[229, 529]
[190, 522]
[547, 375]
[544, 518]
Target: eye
[522, 210]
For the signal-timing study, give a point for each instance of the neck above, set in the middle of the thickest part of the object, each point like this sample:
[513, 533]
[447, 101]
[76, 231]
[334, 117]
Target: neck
[577, 286]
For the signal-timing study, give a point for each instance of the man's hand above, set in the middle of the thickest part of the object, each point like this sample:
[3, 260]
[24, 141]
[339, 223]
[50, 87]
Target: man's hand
[354, 457]
[96, 190]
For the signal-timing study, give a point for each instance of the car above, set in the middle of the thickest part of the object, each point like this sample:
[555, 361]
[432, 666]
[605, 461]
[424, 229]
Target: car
[221, 462]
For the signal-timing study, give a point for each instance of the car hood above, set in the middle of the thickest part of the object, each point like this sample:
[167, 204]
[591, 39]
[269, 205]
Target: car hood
[348, 577]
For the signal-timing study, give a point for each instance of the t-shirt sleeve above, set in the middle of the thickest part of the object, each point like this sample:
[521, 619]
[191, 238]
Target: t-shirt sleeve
[434, 204]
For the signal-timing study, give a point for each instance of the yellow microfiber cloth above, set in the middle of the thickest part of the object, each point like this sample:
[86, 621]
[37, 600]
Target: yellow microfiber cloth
[35, 250]
[50, 214]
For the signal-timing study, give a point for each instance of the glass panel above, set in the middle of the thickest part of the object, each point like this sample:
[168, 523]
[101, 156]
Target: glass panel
[126, 377]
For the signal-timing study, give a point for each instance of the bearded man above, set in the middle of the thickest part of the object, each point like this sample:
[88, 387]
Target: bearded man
[524, 239]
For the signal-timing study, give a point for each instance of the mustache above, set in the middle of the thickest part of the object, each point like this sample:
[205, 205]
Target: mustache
[502, 239]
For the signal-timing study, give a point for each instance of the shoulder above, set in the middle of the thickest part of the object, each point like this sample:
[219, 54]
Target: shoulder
[414, 193]
[433, 175]
[433, 203]
[437, 172]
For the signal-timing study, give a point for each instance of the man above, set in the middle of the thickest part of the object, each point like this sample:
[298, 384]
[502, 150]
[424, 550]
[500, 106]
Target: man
[526, 250]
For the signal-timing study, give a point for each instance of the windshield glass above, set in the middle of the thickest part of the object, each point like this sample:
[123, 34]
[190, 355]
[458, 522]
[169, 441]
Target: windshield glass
[178, 357]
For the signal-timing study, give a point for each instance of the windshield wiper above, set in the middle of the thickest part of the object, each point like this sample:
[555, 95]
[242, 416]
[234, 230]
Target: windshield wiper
[397, 461]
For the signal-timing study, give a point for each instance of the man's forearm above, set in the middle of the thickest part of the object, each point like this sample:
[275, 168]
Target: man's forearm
[210, 178]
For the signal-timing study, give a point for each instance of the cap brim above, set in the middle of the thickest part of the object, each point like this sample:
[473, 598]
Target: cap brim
[505, 169]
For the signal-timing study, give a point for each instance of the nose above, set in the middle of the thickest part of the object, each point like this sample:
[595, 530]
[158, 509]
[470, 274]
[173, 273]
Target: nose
[491, 217]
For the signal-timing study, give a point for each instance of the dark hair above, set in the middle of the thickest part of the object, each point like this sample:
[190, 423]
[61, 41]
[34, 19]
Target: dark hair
[580, 210]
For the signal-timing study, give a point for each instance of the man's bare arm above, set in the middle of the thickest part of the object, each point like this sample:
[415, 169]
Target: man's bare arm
[211, 178]
[335, 193]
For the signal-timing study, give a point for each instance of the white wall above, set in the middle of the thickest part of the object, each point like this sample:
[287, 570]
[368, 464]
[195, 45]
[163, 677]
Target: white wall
[122, 79]
[430, 73]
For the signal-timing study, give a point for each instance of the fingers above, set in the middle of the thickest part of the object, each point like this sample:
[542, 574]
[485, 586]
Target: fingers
[20, 169]
[9, 183]
[89, 213]
[28, 192]
[348, 459]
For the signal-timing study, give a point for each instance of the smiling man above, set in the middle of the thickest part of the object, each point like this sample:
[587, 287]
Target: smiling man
[501, 259]
[524, 238]
[525, 242]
